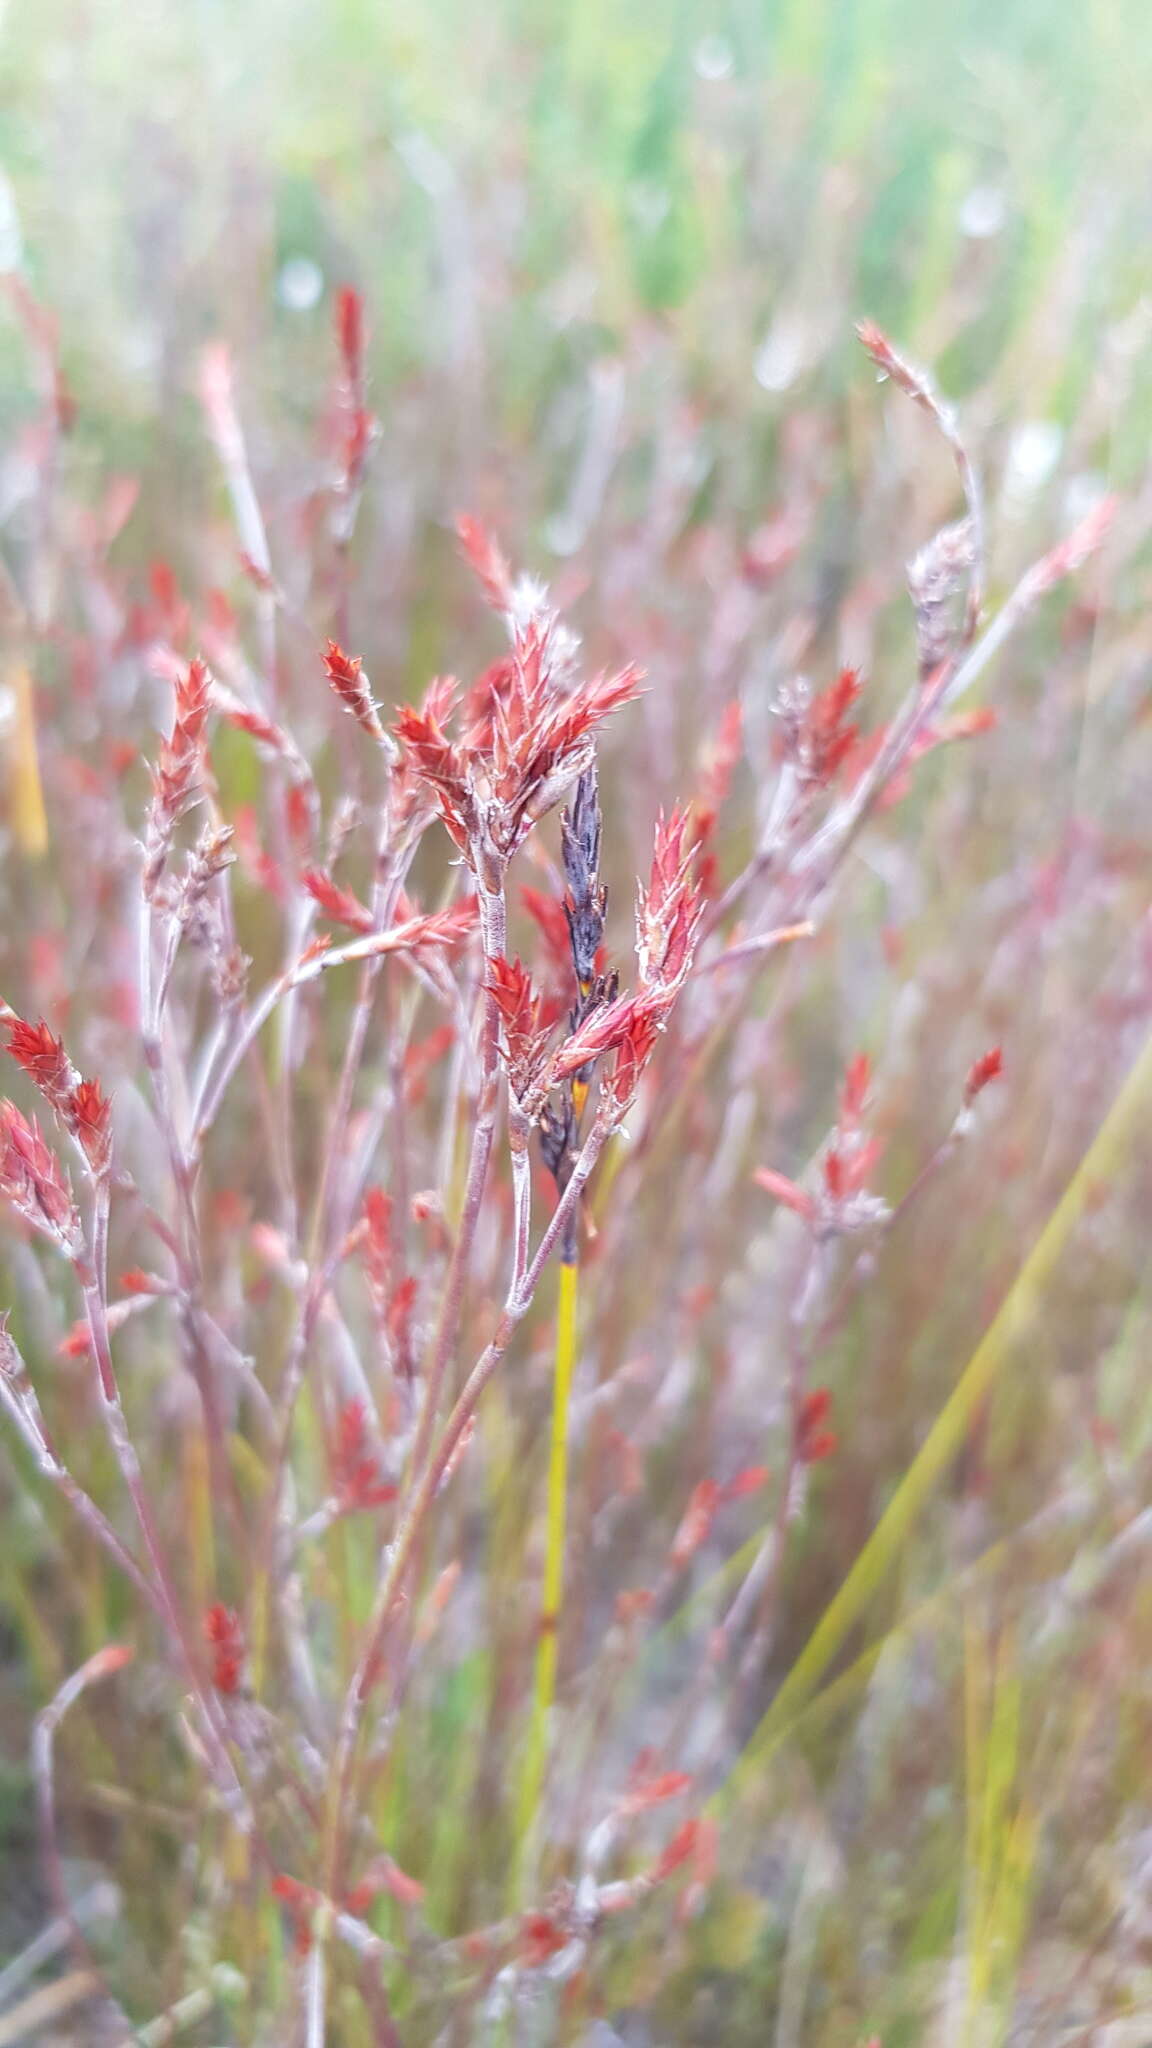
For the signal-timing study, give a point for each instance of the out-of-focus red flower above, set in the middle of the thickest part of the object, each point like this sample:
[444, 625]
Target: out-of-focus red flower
[813, 1440]
[987, 1068]
[357, 1480]
[225, 1636]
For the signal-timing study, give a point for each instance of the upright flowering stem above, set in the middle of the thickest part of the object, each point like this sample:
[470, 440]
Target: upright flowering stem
[585, 904]
[548, 1647]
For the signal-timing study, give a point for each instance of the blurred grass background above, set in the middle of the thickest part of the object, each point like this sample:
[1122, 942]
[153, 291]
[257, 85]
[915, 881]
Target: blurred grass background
[612, 257]
[522, 190]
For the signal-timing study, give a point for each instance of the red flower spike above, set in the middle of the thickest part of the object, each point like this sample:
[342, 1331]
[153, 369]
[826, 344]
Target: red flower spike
[43, 1058]
[604, 1031]
[831, 738]
[90, 1114]
[437, 761]
[988, 1067]
[81, 1106]
[177, 778]
[523, 1042]
[519, 750]
[632, 1056]
[345, 673]
[33, 1180]
[666, 923]
[669, 909]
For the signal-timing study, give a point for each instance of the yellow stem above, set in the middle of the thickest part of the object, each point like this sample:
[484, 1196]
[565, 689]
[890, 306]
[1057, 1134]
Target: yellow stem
[547, 1653]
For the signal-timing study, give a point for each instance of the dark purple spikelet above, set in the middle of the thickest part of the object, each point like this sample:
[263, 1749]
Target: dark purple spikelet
[586, 899]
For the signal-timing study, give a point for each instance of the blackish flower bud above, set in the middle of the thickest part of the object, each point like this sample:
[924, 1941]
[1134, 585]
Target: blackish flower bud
[586, 901]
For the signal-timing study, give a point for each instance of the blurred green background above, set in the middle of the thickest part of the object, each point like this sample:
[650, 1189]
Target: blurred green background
[524, 191]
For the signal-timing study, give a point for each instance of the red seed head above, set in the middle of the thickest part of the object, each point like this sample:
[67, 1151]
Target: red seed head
[90, 1118]
[43, 1058]
[987, 1068]
[345, 673]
